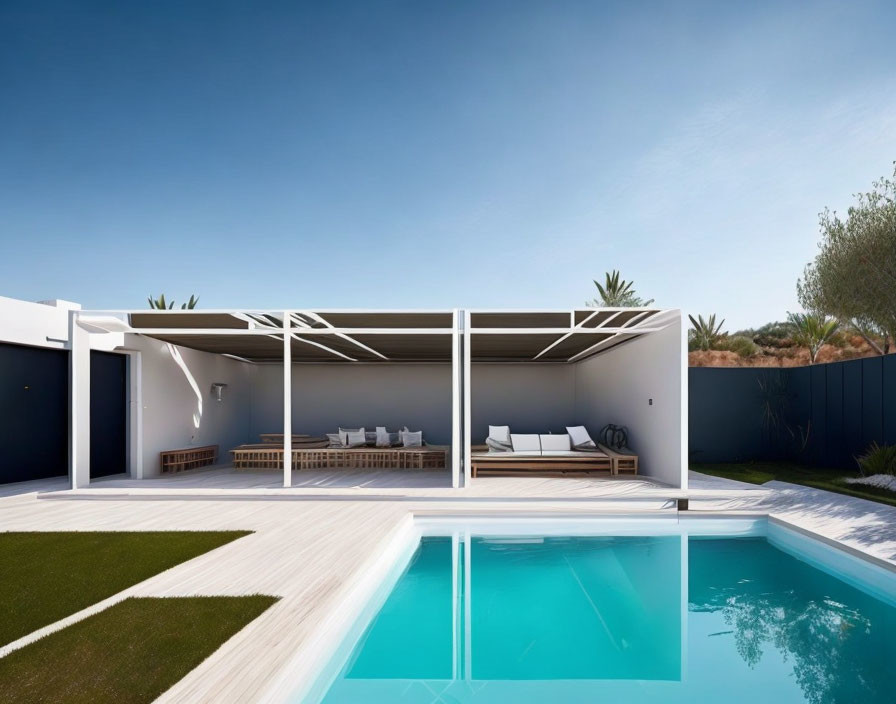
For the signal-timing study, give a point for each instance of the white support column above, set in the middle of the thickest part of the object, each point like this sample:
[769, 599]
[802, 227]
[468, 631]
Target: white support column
[467, 373]
[684, 457]
[287, 400]
[79, 404]
[135, 413]
[456, 396]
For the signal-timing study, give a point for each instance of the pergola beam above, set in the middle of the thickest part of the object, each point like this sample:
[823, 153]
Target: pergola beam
[567, 335]
[346, 337]
[343, 332]
[625, 327]
[295, 336]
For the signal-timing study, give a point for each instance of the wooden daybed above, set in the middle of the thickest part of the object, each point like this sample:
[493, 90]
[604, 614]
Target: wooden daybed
[526, 464]
[270, 456]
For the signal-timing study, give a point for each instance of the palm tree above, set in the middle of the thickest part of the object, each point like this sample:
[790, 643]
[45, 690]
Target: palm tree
[705, 333]
[617, 293]
[812, 330]
[161, 304]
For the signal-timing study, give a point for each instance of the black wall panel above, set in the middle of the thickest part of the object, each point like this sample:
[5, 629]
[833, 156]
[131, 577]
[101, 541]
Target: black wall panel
[108, 414]
[33, 413]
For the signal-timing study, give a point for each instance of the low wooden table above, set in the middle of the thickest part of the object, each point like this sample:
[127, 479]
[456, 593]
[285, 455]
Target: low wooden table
[188, 458]
[623, 462]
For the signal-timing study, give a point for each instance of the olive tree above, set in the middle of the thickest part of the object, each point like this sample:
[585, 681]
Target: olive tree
[853, 277]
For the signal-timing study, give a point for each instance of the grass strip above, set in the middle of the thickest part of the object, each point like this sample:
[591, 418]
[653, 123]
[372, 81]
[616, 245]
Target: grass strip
[45, 577]
[129, 653]
[815, 477]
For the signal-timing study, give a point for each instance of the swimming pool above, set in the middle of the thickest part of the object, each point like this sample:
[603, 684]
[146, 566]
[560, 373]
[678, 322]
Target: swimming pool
[701, 610]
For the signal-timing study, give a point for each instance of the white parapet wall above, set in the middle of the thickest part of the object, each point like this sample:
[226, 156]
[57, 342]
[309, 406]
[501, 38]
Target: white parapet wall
[641, 384]
[35, 324]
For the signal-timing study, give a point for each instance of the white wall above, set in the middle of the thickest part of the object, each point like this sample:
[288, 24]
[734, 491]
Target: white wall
[326, 396]
[530, 398]
[171, 410]
[615, 387]
[37, 324]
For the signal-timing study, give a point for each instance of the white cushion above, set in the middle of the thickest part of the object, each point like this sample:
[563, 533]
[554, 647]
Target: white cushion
[413, 439]
[382, 437]
[356, 438]
[343, 434]
[501, 433]
[525, 443]
[579, 436]
[555, 442]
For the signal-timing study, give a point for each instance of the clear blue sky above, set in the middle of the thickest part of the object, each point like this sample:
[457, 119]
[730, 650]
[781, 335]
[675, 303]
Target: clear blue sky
[428, 154]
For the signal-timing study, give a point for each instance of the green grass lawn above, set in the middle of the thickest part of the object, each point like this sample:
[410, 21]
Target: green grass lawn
[131, 652]
[819, 478]
[47, 576]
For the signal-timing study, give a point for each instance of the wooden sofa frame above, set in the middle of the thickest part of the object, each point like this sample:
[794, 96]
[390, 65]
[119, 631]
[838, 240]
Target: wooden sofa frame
[268, 456]
[607, 461]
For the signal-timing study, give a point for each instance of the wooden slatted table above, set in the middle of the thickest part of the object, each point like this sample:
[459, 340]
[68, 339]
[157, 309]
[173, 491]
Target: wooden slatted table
[188, 458]
[269, 456]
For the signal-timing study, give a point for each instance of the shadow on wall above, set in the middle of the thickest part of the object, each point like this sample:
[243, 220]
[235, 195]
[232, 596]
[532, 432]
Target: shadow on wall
[182, 365]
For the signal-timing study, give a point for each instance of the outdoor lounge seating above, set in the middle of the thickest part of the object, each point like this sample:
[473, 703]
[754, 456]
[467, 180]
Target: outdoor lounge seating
[310, 452]
[547, 455]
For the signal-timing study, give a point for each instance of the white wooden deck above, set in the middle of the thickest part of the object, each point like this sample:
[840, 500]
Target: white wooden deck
[368, 484]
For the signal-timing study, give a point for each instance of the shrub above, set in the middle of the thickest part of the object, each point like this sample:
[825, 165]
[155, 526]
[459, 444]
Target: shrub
[704, 334]
[877, 459]
[739, 344]
[775, 335]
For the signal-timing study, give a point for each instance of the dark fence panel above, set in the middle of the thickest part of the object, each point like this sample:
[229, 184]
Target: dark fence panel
[824, 414]
[888, 408]
[726, 416]
[852, 404]
[34, 413]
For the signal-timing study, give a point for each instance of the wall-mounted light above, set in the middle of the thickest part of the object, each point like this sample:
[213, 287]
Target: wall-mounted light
[218, 391]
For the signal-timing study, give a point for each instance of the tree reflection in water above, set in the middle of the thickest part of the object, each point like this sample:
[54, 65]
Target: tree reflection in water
[839, 639]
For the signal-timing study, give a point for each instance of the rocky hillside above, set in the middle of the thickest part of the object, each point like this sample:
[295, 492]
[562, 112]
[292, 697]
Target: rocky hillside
[780, 351]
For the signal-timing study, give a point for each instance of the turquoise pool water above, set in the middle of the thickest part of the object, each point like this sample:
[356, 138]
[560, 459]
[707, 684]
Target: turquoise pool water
[620, 619]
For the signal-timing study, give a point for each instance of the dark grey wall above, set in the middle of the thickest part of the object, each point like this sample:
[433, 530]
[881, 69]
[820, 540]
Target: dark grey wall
[828, 413]
[33, 413]
[108, 413]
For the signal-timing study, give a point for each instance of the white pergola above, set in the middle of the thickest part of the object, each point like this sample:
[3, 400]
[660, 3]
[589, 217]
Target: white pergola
[351, 336]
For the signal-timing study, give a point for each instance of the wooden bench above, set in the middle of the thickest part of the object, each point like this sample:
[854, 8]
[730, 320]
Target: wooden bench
[623, 462]
[269, 456]
[188, 458]
[509, 464]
